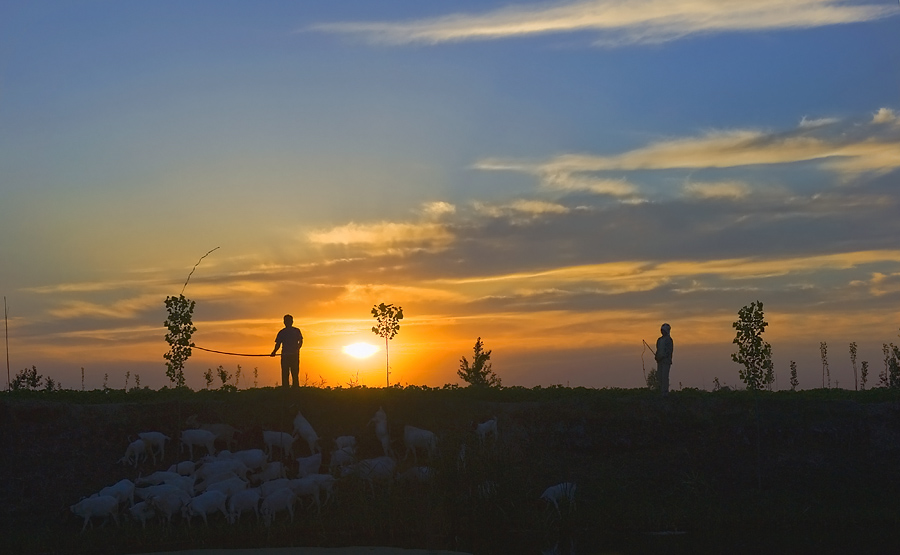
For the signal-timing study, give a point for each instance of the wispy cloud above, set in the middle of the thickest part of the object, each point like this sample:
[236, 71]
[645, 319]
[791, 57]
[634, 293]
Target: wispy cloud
[724, 189]
[521, 207]
[385, 235]
[848, 150]
[616, 22]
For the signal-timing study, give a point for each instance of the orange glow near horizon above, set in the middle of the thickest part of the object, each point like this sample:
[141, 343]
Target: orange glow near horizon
[360, 350]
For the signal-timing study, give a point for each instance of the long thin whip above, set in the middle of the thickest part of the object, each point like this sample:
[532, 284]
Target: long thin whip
[644, 348]
[6, 325]
[227, 353]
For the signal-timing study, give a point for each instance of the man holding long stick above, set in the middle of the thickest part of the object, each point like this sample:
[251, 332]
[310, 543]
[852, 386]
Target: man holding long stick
[290, 340]
[663, 356]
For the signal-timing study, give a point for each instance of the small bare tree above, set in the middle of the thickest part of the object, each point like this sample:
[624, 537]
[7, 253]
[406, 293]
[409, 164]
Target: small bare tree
[388, 318]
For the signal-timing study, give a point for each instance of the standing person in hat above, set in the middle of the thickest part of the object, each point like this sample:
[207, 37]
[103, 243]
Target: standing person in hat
[290, 340]
[664, 348]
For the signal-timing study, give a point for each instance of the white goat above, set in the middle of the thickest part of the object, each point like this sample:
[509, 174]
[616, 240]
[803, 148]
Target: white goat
[417, 438]
[184, 483]
[123, 490]
[268, 488]
[309, 465]
[100, 505]
[280, 500]
[156, 441]
[487, 428]
[169, 503]
[345, 442]
[200, 438]
[228, 487]
[281, 440]
[381, 431]
[372, 470]
[223, 432]
[135, 452]
[325, 482]
[206, 470]
[271, 471]
[142, 512]
[204, 505]
[303, 429]
[564, 492]
[158, 477]
[204, 484]
[306, 487]
[241, 501]
[160, 489]
[185, 468]
[342, 457]
[252, 458]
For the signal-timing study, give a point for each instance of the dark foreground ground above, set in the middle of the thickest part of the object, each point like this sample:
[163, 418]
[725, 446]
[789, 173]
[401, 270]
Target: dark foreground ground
[697, 472]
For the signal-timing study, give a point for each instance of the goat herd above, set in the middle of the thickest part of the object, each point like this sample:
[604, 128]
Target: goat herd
[255, 481]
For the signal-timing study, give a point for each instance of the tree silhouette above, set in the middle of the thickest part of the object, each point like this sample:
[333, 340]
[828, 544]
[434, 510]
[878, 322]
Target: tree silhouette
[753, 353]
[479, 373]
[388, 325]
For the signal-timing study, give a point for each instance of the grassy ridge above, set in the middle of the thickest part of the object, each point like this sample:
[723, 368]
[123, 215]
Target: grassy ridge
[812, 471]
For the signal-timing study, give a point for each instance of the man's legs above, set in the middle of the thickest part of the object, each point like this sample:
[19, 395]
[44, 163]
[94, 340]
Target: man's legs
[662, 373]
[295, 371]
[285, 369]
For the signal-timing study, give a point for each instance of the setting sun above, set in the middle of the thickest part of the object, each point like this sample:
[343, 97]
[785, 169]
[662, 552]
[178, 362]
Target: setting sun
[360, 350]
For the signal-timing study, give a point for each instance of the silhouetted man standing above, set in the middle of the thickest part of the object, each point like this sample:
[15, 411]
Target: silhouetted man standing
[290, 340]
[664, 348]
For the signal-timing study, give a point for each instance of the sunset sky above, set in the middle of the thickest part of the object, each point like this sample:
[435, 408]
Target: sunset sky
[557, 178]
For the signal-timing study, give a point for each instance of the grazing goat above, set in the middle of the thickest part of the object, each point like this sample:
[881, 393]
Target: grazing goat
[281, 440]
[271, 471]
[169, 503]
[142, 512]
[370, 470]
[306, 487]
[229, 486]
[123, 490]
[212, 468]
[241, 501]
[160, 489]
[158, 477]
[325, 482]
[156, 441]
[268, 488]
[205, 504]
[223, 432]
[488, 428]
[342, 457]
[280, 500]
[564, 492]
[303, 429]
[309, 465]
[252, 458]
[200, 438]
[417, 438]
[100, 505]
[135, 452]
[222, 476]
[345, 442]
[381, 431]
[185, 468]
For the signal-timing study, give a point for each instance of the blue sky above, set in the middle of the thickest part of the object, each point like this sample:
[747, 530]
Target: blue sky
[557, 178]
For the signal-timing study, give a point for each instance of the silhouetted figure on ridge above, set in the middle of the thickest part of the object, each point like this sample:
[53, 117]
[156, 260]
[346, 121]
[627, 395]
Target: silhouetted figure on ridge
[664, 348]
[290, 340]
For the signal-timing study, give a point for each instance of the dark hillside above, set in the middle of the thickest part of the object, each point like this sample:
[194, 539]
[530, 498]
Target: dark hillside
[807, 472]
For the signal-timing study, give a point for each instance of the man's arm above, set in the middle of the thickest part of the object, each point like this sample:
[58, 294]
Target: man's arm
[277, 344]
